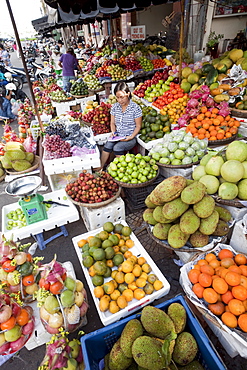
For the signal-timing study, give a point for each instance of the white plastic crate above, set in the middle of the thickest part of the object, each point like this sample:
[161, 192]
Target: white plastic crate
[83, 101]
[95, 217]
[168, 172]
[239, 238]
[58, 181]
[60, 165]
[236, 212]
[150, 144]
[101, 139]
[135, 305]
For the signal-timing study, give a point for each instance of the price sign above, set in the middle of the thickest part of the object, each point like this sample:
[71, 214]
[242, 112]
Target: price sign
[138, 32]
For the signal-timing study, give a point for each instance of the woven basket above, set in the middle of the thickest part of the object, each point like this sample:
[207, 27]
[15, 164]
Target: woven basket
[79, 96]
[239, 113]
[2, 177]
[177, 166]
[35, 165]
[96, 205]
[222, 142]
[232, 203]
[135, 186]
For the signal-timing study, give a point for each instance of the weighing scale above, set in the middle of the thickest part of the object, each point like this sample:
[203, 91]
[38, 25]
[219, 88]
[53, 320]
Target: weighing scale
[30, 202]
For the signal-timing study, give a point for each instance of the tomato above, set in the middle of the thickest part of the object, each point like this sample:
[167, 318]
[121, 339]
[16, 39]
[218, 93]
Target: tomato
[44, 284]
[7, 267]
[9, 324]
[23, 317]
[28, 280]
[56, 288]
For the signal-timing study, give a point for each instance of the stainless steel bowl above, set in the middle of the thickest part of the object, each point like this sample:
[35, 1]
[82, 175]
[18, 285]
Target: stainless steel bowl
[23, 186]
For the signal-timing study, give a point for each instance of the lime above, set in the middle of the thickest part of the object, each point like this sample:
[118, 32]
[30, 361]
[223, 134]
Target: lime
[97, 280]
[109, 253]
[103, 235]
[107, 243]
[100, 268]
[87, 261]
[85, 247]
[86, 253]
[95, 242]
[118, 259]
[114, 239]
[91, 250]
[99, 254]
[108, 272]
[126, 231]
[108, 226]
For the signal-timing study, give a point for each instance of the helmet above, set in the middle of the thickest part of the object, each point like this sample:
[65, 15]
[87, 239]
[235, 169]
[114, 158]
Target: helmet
[8, 76]
[10, 86]
[57, 48]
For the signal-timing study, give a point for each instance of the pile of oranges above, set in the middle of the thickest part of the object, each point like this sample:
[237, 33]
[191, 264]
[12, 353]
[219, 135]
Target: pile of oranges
[211, 125]
[222, 282]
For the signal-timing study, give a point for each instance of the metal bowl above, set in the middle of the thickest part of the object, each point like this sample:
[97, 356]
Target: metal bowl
[23, 186]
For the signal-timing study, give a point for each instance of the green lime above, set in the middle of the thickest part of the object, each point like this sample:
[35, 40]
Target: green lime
[103, 235]
[109, 253]
[91, 250]
[107, 243]
[95, 242]
[85, 247]
[99, 254]
[86, 253]
[108, 226]
[118, 228]
[100, 268]
[126, 231]
[118, 259]
[97, 280]
[87, 261]
[108, 272]
[114, 239]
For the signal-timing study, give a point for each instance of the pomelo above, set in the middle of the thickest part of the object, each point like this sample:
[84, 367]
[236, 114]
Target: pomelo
[214, 165]
[237, 150]
[198, 172]
[228, 191]
[242, 189]
[211, 182]
[232, 171]
[186, 72]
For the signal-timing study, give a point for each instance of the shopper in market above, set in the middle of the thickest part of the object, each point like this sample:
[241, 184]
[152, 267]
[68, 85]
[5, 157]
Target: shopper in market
[61, 47]
[126, 120]
[4, 56]
[5, 104]
[69, 64]
[54, 59]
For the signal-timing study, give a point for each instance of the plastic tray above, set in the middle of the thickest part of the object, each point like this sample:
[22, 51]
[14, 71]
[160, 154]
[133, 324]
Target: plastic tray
[150, 144]
[103, 339]
[138, 250]
[57, 216]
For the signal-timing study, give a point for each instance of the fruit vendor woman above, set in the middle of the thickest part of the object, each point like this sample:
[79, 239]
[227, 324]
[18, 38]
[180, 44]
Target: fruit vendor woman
[126, 120]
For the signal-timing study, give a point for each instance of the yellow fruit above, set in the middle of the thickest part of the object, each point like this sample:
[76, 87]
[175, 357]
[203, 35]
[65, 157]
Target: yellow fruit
[98, 291]
[104, 303]
[114, 295]
[158, 285]
[113, 307]
[122, 302]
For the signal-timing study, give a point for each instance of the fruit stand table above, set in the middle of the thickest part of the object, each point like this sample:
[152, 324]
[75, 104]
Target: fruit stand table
[58, 216]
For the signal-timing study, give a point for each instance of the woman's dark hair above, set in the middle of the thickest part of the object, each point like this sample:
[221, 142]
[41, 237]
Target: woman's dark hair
[122, 86]
[70, 51]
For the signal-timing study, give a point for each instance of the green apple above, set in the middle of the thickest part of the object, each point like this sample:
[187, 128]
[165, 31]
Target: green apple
[71, 364]
[75, 347]
[13, 334]
[70, 283]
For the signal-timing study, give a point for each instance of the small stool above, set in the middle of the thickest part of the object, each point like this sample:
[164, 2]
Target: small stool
[42, 242]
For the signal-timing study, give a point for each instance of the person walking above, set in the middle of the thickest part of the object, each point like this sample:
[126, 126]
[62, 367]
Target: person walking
[69, 64]
[5, 104]
[4, 56]
[54, 58]
[61, 47]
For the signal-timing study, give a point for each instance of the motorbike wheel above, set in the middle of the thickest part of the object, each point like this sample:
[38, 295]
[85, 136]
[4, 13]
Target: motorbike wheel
[18, 82]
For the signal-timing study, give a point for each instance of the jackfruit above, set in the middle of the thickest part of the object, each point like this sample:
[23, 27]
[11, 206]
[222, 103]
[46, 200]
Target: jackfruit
[117, 359]
[156, 322]
[147, 353]
[15, 154]
[185, 349]
[21, 165]
[132, 330]
[193, 193]
[176, 238]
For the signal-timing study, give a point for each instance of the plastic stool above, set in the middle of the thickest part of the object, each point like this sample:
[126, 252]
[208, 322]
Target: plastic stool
[42, 242]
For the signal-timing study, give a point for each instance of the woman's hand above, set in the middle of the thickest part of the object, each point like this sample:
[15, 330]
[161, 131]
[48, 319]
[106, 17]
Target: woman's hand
[128, 138]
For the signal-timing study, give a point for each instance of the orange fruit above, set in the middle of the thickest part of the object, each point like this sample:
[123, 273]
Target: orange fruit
[225, 253]
[193, 276]
[113, 307]
[56, 288]
[205, 279]
[235, 269]
[220, 285]
[240, 259]
[127, 266]
[139, 293]
[146, 268]
[217, 308]
[198, 290]
[137, 270]
[115, 294]
[239, 292]
[119, 277]
[243, 281]
[23, 317]
[197, 267]
[214, 263]
[28, 280]
[242, 322]
[141, 261]
[141, 282]
[223, 273]
[128, 294]
[219, 269]
[226, 297]
[129, 278]
[207, 269]
[132, 286]
[229, 319]
[129, 243]
[158, 285]
[227, 262]
[202, 262]
[210, 256]
[233, 278]
[9, 324]
[210, 295]
[81, 243]
[128, 254]
[122, 302]
[243, 269]
[236, 307]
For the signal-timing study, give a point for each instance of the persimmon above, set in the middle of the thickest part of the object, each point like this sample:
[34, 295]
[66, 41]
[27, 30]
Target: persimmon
[235, 268]
[225, 253]
[243, 281]
[226, 297]
[220, 285]
[198, 290]
[197, 267]
[242, 322]
[217, 308]
[205, 279]
[233, 278]
[9, 324]
[240, 259]
[202, 262]
[23, 317]
[236, 306]
[214, 263]
[229, 319]
[239, 292]
[207, 269]
[210, 295]
[223, 272]
[218, 270]
[56, 288]
[193, 275]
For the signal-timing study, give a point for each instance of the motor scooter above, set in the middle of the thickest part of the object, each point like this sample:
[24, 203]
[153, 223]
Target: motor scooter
[11, 75]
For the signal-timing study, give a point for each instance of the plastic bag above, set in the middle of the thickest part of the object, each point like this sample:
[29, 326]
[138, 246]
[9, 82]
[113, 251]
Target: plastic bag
[15, 108]
[30, 145]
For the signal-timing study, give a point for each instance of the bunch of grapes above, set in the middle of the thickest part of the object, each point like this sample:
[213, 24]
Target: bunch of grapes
[56, 128]
[55, 147]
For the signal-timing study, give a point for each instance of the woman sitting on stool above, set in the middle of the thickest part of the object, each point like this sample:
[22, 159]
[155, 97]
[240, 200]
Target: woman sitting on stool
[5, 104]
[126, 120]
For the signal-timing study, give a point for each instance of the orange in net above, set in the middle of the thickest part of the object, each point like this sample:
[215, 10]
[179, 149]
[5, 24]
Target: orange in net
[220, 285]
[229, 319]
[210, 295]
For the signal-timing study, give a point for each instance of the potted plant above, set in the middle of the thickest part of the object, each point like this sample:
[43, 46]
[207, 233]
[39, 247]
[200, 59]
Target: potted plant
[213, 42]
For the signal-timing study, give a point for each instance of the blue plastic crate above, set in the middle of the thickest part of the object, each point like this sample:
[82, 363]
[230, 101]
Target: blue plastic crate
[98, 343]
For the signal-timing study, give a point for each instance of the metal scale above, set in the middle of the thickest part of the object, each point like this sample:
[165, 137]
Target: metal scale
[30, 201]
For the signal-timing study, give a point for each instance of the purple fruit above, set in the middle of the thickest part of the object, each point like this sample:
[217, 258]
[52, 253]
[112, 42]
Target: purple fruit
[4, 348]
[28, 328]
[18, 344]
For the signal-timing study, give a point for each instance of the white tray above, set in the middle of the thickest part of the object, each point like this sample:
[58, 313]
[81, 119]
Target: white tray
[57, 216]
[150, 144]
[138, 250]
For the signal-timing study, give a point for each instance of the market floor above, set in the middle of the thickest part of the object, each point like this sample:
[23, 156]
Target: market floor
[64, 249]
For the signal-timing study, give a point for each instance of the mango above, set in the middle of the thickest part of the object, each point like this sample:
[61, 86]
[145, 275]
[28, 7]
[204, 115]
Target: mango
[221, 97]
[185, 349]
[168, 190]
[148, 216]
[117, 359]
[205, 207]
[156, 322]
[224, 214]
[198, 240]
[132, 330]
[177, 313]
[235, 54]
[209, 224]
[193, 193]
[147, 353]
[189, 222]
[176, 238]
[174, 209]
[160, 231]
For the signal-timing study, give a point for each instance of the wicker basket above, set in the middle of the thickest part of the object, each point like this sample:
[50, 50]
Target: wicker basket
[35, 165]
[2, 177]
[177, 166]
[232, 203]
[96, 205]
[222, 142]
[140, 185]
[239, 113]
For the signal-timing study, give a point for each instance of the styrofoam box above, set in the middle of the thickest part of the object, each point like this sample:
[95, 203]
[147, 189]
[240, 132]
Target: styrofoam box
[83, 101]
[233, 342]
[150, 144]
[167, 172]
[95, 217]
[57, 216]
[59, 181]
[239, 239]
[104, 339]
[236, 212]
[60, 165]
[138, 250]
[64, 107]
[40, 336]
[101, 139]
